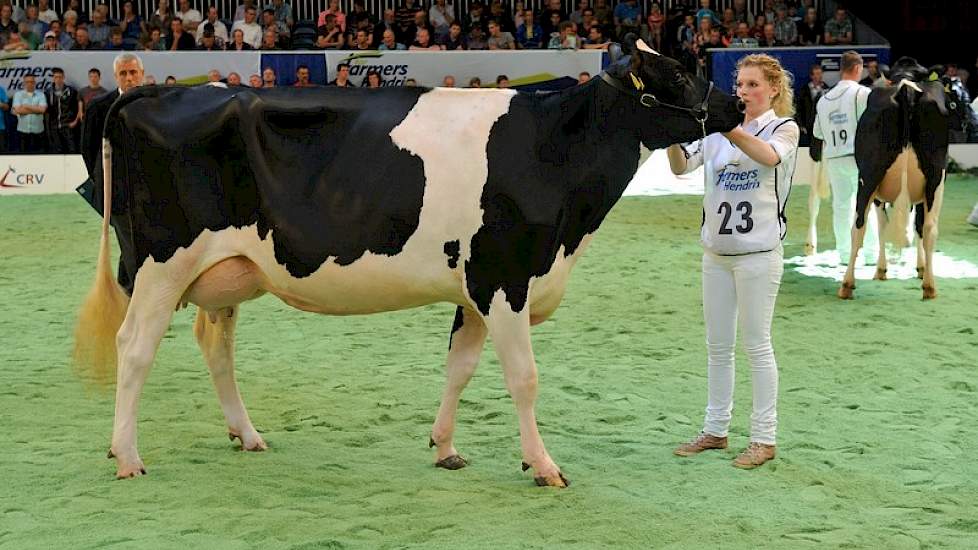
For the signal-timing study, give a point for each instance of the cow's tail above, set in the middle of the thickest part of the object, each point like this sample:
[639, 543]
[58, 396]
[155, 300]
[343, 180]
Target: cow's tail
[105, 306]
[896, 226]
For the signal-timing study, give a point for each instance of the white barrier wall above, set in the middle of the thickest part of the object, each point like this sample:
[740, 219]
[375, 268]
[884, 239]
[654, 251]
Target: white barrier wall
[41, 174]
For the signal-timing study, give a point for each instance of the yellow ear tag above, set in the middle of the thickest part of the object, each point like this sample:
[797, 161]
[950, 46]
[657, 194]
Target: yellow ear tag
[933, 76]
[637, 82]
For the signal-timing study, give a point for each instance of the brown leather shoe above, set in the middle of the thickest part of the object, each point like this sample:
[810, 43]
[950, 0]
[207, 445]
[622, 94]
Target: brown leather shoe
[700, 443]
[754, 455]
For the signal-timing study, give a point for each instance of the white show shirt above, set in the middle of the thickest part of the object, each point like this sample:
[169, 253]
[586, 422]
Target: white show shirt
[743, 200]
[836, 115]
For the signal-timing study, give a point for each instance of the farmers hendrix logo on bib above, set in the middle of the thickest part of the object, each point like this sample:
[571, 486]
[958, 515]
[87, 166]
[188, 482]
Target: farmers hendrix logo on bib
[738, 181]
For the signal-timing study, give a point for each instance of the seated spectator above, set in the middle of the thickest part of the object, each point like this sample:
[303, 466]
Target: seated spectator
[502, 81]
[475, 18]
[237, 43]
[15, 43]
[250, 28]
[30, 40]
[656, 21]
[499, 14]
[254, 81]
[283, 12]
[362, 40]
[603, 14]
[220, 29]
[587, 21]
[728, 22]
[785, 28]
[742, 37]
[337, 13]
[419, 22]
[162, 16]
[810, 31]
[191, 19]
[388, 23]
[268, 21]
[269, 40]
[583, 78]
[302, 77]
[518, 10]
[596, 40]
[234, 79]
[529, 35]
[153, 41]
[51, 42]
[7, 24]
[373, 79]
[64, 41]
[769, 40]
[565, 38]
[75, 6]
[757, 31]
[742, 13]
[268, 79]
[577, 16]
[115, 39]
[361, 25]
[208, 42]
[476, 39]
[551, 15]
[455, 39]
[329, 34]
[475, 82]
[170, 81]
[390, 42]
[179, 39]
[441, 16]
[342, 77]
[499, 40]
[423, 42]
[82, 41]
[239, 12]
[131, 23]
[838, 30]
[706, 13]
[36, 26]
[45, 13]
[358, 14]
[98, 30]
[448, 81]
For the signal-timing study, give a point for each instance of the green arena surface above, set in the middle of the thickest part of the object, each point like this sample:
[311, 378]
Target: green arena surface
[876, 397]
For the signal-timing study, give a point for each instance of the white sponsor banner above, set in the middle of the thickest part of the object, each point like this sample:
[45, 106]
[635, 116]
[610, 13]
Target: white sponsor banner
[40, 174]
[430, 68]
[186, 67]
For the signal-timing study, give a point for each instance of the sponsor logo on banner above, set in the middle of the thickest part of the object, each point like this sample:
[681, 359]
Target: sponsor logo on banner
[12, 179]
[391, 73]
[13, 74]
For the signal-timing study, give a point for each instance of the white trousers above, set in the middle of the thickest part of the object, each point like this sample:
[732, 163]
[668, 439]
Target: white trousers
[741, 290]
[844, 180]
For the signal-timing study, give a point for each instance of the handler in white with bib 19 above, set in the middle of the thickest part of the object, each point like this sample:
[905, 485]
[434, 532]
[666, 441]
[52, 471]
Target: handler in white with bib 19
[836, 115]
[748, 177]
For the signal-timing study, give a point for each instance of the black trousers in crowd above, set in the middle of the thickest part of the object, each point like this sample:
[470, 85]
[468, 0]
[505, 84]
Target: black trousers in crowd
[31, 143]
[63, 141]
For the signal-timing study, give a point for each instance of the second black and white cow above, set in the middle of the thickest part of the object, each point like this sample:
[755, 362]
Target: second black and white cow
[360, 201]
[901, 153]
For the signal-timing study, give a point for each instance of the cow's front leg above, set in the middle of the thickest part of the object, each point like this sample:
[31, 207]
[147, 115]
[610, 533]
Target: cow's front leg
[215, 335]
[146, 321]
[931, 216]
[510, 333]
[464, 348]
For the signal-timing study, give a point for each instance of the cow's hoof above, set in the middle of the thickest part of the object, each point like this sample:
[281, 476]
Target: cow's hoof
[253, 443]
[552, 481]
[454, 462]
[809, 249]
[929, 292]
[845, 291]
[880, 274]
[132, 469]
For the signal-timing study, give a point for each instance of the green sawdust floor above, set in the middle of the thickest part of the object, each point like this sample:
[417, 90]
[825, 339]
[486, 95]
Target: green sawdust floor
[877, 436]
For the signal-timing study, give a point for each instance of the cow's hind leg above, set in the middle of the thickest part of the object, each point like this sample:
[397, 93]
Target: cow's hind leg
[918, 225]
[931, 216]
[881, 258]
[215, 335]
[510, 333]
[153, 301]
[863, 204]
[814, 202]
[467, 340]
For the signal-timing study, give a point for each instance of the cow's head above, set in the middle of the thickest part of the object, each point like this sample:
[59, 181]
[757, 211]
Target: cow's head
[669, 104]
[921, 87]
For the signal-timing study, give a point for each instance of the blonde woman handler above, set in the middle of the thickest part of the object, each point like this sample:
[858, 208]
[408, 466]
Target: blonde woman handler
[748, 178]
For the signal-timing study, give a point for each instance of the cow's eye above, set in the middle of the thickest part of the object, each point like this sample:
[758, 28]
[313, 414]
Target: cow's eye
[679, 79]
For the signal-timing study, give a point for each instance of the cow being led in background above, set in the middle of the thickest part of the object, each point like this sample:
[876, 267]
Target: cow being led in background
[901, 152]
[480, 198]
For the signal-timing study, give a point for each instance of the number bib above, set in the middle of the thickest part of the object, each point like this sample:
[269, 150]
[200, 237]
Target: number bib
[838, 112]
[743, 205]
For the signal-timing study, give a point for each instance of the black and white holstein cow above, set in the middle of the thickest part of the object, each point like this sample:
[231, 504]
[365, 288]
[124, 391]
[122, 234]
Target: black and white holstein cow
[480, 198]
[901, 153]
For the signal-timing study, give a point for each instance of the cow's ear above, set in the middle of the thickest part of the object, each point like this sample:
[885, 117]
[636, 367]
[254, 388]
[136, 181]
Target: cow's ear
[615, 53]
[628, 43]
